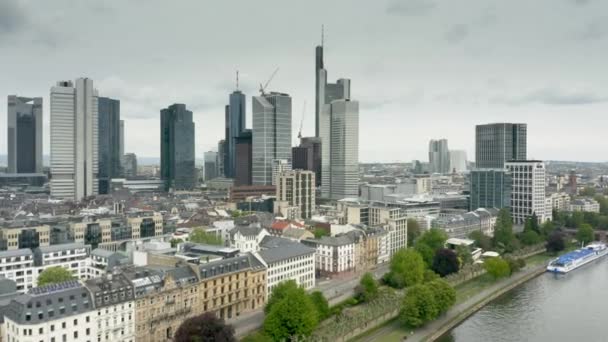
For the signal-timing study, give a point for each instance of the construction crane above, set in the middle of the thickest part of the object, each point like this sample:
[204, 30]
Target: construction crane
[302, 121]
[263, 87]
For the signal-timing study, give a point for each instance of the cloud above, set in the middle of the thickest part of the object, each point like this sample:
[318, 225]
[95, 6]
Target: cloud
[457, 33]
[594, 30]
[410, 7]
[553, 97]
[12, 16]
[580, 2]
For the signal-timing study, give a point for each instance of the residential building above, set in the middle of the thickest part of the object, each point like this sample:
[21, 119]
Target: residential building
[394, 221]
[490, 188]
[462, 225]
[129, 165]
[177, 148]
[247, 238]
[498, 143]
[58, 312]
[271, 135]
[210, 165]
[307, 156]
[109, 142]
[13, 238]
[439, 156]
[285, 260]
[24, 134]
[18, 266]
[458, 161]
[528, 190]
[588, 205]
[72, 256]
[560, 201]
[334, 254]
[103, 260]
[243, 168]
[296, 189]
[339, 132]
[74, 159]
[235, 124]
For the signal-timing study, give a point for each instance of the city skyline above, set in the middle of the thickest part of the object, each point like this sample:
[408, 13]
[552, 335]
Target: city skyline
[476, 67]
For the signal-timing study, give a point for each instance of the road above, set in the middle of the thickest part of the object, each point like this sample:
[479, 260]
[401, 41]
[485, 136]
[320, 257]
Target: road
[335, 290]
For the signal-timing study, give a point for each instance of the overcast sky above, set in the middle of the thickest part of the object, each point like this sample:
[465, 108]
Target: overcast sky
[421, 69]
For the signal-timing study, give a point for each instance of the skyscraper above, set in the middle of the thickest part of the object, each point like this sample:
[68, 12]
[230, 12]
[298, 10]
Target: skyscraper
[340, 149]
[235, 125]
[458, 161]
[271, 134]
[439, 156]
[307, 156]
[221, 154]
[129, 165]
[528, 190]
[24, 134]
[122, 138]
[109, 124]
[210, 165]
[74, 139]
[490, 188]
[177, 148]
[242, 172]
[498, 143]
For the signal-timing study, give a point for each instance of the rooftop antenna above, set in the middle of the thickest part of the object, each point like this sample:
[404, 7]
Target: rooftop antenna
[322, 34]
[237, 80]
[302, 121]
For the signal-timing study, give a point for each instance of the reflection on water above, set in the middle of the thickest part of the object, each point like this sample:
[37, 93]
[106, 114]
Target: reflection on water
[549, 308]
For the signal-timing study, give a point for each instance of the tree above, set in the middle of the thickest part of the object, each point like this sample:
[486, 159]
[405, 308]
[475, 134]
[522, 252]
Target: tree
[584, 234]
[445, 262]
[547, 228]
[174, 242]
[429, 276]
[497, 267]
[503, 232]
[444, 293]
[205, 327]
[320, 232]
[282, 290]
[419, 306]
[199, 235]
[481, 240]
[293, 317]
[464, 255]
[530, 237]
[426, 253]
[413, 231]
[321, 304]
[555, 242]
[406, 268]
[54, 275]
[588, 192]
[434, 238]
[367, 289]
[576, 219]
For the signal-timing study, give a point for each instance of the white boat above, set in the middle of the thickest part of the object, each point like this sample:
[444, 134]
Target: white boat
[578, 258]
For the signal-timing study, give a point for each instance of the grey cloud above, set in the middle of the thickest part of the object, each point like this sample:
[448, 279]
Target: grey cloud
[410, 7]
[580, 2]
[457, 33]
[594, 30]
[12, 16]
[554, 97]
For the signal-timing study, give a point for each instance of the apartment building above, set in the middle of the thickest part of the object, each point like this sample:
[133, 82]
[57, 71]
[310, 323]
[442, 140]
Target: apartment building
[286, 259]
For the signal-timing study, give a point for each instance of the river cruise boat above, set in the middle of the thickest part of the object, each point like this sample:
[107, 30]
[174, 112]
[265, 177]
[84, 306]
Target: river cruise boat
[578, 258]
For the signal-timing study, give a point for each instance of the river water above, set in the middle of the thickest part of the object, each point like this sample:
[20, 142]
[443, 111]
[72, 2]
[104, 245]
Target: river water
[550, 308]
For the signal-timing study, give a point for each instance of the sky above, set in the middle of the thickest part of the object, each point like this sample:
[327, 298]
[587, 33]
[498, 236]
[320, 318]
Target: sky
[421, 69]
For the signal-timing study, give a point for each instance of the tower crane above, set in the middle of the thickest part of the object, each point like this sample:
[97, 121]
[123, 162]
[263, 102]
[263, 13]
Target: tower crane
[302, 120]
[263, 87]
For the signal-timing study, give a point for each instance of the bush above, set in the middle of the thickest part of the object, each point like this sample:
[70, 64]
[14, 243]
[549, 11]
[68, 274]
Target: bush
[515, 264]
[205, 327]
[429, 276]
[497, 267]
[321, 304]
[54, 275]
[367, 289]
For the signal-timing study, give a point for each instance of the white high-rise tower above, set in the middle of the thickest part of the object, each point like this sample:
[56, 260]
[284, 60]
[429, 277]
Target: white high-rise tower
[74, 139]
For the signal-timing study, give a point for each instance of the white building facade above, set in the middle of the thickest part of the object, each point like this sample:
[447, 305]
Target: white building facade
[297, 189]
[528, 190]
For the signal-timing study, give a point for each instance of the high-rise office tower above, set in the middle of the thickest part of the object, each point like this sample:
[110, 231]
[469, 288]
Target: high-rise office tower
[340, 149]
[109, 127]
[490, 188]
[458, 161]
[271, 134]
[177, 148]
[210, 165]
[528, 190]
[242, 171]
[74, 149]
[307, 156]
[296, 188]
[24, 134]
[498, 143]
[129, 164]
[439, 156]
[221, 154]
[122, 138]
[235, 125]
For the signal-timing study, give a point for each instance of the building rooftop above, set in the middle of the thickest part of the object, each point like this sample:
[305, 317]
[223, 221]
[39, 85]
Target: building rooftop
[16, 253]
[276, 249]
[62, 247]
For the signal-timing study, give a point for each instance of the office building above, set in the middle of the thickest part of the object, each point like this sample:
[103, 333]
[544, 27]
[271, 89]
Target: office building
[307, 156]
[235, 125]
[528, 190]
[271, 135]
[458, 161]
[24, 135]
[439, 156]
[129, 165]
[296, 189]
[210, 166]
[109, 144]
[177, 148]
[339, 132]
[498, 143]
[74, 149]
[287, 260]
[243, 166]
[13, 238]
[490, 188]
[221, 156]
[278, 167]
[122, 138]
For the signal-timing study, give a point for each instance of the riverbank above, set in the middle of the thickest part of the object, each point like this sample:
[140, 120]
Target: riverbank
[471, 296]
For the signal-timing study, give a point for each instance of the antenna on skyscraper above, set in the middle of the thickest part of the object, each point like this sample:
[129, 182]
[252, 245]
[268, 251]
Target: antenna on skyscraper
[237, 80]
[302, 121]
[322, 34]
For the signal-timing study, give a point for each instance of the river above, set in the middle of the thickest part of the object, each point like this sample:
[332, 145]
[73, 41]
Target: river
[571, 307]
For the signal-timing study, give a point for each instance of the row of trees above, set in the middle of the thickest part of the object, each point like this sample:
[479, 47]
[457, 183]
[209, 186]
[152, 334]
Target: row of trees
[425, 302]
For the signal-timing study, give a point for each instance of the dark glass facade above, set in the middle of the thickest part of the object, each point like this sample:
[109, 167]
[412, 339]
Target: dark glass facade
[108, 142]
[177, 148]
[242, 174]
[235, 125]
[498, 143]
[307, 156]
[490, 189]
[147, 228]
[24, 135]
[29, 238]
[92, 235]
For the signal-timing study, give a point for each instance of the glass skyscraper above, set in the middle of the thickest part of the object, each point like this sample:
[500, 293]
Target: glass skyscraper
[498, 143]
[24, 138]
[177, 148]
[109, 126]
[235, 125]
[490, 188]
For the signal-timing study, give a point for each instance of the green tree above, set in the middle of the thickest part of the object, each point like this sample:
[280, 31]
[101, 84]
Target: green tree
[320, 232]
[174, 242]
[530, 237]
[497, 267]
[199, 235]
[503, 231]
[603, 201]
[282, 290]
[588, 192]
[426, 253]
[367, 289]
[429, 276]
[555, 242]
[257, 336]
[54, 275]
[445, 262]
[464, 255]
[413, 231]
[434, 238]
[205, 327]
[576, 220]
[419, 306]
[481, 240]
[444, 293]
[293, 317]
[585, 234]
[547, 228]
[321, 304]
[406, 269]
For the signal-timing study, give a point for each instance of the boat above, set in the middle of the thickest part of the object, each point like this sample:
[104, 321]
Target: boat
[575, 259]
